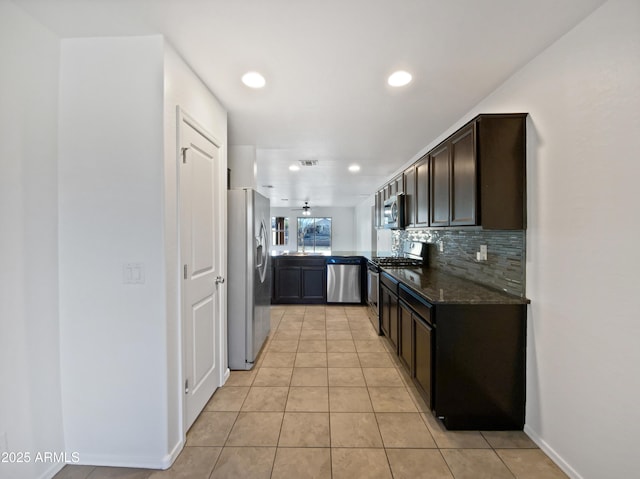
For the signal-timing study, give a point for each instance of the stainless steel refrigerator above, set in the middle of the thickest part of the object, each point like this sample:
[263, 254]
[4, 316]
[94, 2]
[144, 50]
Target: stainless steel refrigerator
[249, 276]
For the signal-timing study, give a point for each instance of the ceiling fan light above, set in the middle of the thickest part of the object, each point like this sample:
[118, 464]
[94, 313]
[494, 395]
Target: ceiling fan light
[294, 168]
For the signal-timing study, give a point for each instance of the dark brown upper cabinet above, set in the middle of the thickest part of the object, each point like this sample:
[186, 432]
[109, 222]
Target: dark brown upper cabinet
[440, 171]
[379, 209]
[463, 178]
[397, 184]
[477, 175]
[422, 192]
[416, 193]
[410, 196]
[453, 180]
[501, 162]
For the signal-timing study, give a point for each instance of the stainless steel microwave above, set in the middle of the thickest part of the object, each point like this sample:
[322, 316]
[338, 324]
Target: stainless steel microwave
[393, 212]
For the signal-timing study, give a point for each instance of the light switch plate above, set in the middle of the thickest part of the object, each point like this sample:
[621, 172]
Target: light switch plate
[133, 273]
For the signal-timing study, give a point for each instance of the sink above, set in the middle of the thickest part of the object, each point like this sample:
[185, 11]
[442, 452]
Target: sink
[302, 254]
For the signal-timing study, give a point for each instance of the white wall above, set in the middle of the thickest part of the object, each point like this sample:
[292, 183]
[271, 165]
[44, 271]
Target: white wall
[583, 96]
[343, 236]
[364, 225]
[112, 335]
[30, 402]
[184, 88]
[243, 166]
[364, 231]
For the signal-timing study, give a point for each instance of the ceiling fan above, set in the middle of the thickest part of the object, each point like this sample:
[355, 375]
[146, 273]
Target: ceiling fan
[306, 209]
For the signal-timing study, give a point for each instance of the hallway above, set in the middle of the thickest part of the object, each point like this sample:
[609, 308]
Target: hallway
[327, 400]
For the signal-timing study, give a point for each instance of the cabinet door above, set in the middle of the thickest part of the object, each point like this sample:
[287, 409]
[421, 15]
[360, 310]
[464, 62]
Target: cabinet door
[410, 196]
[463, 178]
[393, 320]
[385, 298]
[405, 337]
[380, 208]
[376, 211]
[439, 204]
[421, 203]
[313, 283]
[287, 285]
[422, 346]
[399, 184]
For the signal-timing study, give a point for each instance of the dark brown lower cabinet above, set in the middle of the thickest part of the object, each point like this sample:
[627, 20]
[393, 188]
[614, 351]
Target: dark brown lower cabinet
[466, 360]
[416, 341]
[388, 307]
[480, 366]
[422, 366]
[405, 336]
[299, 280]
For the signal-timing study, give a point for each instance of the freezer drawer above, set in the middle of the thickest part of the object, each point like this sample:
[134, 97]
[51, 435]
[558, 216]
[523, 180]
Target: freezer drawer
[343, 283]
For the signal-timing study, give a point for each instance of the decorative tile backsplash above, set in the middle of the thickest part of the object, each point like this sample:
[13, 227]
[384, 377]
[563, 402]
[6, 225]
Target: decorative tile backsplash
[505, 265]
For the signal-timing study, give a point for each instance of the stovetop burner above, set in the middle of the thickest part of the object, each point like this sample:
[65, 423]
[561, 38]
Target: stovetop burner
[413, 254]
[395, 261]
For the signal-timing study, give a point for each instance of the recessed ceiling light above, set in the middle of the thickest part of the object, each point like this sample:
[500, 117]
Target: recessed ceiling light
[399, 78]
[294, 168]
[253, 80]
[354, 168]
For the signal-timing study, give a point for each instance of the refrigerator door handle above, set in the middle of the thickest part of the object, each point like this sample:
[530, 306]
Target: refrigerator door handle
[261, 251]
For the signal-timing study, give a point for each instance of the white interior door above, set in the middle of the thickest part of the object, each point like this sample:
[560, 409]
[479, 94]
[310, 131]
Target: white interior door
[201, 274]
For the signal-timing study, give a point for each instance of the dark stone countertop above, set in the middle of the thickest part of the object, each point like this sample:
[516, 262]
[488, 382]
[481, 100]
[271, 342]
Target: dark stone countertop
[328, 254]
[438, 287]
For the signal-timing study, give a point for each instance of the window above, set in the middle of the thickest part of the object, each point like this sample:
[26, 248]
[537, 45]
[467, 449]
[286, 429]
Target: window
[279, 230]
[314, 234]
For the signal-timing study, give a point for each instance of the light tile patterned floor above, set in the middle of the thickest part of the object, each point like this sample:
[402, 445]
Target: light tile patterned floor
[328, 400]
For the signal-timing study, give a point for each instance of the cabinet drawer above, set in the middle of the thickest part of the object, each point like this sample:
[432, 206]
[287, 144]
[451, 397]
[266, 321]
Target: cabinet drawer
[415, 302]
[389, 282]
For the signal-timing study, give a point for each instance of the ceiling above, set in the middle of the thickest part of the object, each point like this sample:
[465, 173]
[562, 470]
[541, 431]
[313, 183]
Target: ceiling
[326, 65]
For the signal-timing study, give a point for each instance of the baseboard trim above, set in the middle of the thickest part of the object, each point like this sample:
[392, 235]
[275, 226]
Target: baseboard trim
[50, 472]
[139, 462]
[549, 451]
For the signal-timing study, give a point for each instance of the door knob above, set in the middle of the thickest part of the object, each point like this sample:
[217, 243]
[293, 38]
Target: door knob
[219, 280]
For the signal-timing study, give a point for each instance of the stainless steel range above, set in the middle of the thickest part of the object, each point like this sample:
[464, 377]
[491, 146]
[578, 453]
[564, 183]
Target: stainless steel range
[412, 254]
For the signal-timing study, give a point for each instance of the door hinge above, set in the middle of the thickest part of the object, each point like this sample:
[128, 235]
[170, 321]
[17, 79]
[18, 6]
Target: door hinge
[186, 387]
[184, 154]
[184, 271]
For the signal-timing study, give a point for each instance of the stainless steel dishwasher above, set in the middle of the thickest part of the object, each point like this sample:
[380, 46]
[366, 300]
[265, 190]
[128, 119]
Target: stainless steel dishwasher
[344, 279]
